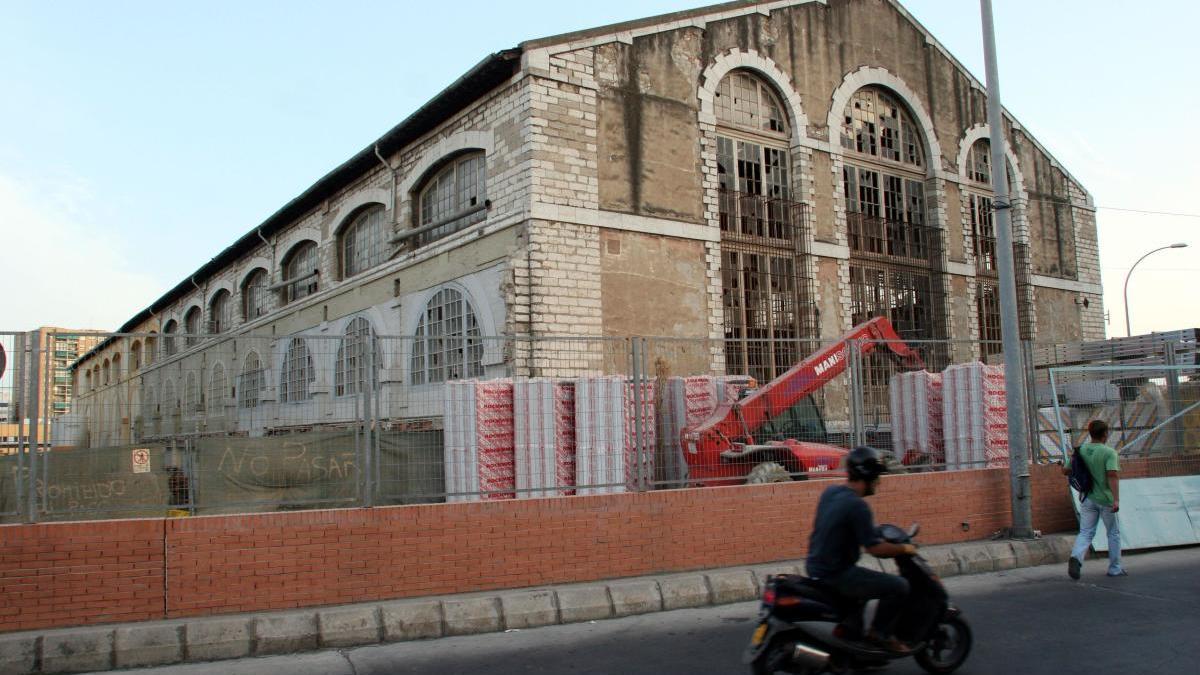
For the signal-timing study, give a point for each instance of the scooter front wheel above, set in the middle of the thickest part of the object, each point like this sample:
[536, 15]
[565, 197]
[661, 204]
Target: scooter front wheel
[947, 648]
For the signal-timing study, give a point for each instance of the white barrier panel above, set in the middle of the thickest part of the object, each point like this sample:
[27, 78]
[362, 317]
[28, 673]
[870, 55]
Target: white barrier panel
[544, 437]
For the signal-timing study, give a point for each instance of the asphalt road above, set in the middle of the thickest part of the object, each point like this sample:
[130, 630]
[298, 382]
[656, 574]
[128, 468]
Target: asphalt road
[1031, 621]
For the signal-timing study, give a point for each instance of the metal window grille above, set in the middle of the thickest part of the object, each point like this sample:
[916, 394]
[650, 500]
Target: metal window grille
[984, 233]
[254, 295]
[874, 123]
[364, 242]
[447, 344]
[250, 382]
[191, 326]
[987, 298]
[299, 266]
[461, 187]
[350, 368]
[216, 389]
[220, 315]
[297, 374]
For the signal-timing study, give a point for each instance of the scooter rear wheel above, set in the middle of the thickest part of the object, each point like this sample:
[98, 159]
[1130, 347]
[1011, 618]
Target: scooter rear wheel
[947, 648]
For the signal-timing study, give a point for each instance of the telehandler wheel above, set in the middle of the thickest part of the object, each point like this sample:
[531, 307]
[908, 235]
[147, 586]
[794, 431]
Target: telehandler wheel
[768, 472]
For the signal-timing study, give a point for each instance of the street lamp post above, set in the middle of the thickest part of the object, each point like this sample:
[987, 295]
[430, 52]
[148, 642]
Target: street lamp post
[1128, 326]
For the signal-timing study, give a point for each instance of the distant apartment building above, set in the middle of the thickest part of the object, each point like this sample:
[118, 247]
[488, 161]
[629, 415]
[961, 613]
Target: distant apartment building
[43, 357]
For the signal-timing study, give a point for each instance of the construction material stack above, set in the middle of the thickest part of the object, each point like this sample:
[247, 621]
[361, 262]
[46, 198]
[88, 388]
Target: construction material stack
[975, 416]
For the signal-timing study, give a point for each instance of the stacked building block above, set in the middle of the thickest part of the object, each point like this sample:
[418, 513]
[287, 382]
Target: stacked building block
[607, 456]
[544, 437]
[975, 416]
[917, 417]
[479, 453]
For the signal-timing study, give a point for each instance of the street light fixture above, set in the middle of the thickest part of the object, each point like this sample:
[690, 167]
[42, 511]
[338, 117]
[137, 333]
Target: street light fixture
[1128, 328]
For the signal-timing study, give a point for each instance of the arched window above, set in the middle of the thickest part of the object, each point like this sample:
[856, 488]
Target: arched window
[979, 162]
[363, 244]
[768, 306]
[87, 380]
[447, 344]
[876, 124]
[169, 331]
[191, 394]
[297, 373]
[220, 313]
[151, 345]
[216, 390]
[170, 404]
[254, 295]
[250, 382]
[894, 252]
[135, 357]
[116, 368]
[454, 198]
[96, 375]
[351, 367]
[106, 369]
[191, 326]
[300, 270]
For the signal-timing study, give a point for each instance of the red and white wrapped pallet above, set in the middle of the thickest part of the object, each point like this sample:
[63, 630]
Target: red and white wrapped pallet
[916, 410]
[975, 416]
[599, 435]
[479, 454]
[544, 437]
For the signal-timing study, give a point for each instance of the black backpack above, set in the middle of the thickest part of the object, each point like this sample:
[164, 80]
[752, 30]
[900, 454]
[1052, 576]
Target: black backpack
[1080, 477]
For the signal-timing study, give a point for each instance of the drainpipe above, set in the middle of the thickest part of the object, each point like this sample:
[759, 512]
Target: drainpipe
[271, 267]
[392, 172]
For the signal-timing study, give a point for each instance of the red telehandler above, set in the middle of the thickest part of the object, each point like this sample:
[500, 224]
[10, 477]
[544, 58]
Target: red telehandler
[779, 423]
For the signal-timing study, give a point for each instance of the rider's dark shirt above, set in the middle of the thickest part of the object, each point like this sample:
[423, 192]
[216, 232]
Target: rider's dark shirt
[843, 525]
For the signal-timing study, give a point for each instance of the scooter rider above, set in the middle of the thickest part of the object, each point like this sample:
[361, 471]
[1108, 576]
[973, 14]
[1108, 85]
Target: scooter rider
[844, 524]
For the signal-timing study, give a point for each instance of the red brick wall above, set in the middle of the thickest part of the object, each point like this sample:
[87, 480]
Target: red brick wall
[78, 573]
[61, 574]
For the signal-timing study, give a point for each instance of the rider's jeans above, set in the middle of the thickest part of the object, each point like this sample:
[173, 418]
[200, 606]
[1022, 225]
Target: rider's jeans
[863, 584]
[1089, 513]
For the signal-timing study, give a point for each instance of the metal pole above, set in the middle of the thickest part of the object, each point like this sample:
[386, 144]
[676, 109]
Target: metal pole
[364, 375]
[857, 395]
[637, 408]
[1018, 441]
[1128, 327]
[20, 361]
[33, 429]
[1173, 400]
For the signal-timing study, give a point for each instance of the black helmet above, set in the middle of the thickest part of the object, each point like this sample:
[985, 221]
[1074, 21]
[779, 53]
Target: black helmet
[865, 463]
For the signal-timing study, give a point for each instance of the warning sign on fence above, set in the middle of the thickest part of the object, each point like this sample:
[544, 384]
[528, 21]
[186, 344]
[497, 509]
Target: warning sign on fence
[141, 460]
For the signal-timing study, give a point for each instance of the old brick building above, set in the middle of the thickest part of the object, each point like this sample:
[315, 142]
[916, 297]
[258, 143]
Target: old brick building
[748, 173]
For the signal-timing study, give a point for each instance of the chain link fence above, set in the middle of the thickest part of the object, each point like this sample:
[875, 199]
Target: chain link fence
[152, 424]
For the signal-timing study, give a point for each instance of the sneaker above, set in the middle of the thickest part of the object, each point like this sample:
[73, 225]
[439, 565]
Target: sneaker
[1073, 567]
[1122, 573]
[890, 644]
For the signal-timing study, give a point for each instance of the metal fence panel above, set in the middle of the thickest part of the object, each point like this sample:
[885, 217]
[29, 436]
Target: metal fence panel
[193, 424]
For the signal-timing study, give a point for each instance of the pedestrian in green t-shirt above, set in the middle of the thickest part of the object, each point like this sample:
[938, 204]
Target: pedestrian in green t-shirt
[1102, 503]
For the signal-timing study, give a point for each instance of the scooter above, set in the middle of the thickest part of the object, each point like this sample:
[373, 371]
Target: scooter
[806, 628]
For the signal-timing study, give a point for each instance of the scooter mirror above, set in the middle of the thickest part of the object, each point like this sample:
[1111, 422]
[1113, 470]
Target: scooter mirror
[913, 530]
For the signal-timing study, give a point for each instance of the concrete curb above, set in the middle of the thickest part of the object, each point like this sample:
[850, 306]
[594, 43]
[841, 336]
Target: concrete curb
[155, 643]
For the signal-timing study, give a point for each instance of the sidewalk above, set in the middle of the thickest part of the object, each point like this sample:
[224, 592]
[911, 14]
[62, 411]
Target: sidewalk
[156, 643]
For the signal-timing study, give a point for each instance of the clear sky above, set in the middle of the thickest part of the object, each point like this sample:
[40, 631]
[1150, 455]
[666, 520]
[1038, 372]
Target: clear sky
[139, 139]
